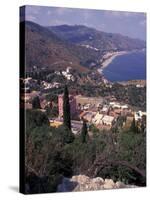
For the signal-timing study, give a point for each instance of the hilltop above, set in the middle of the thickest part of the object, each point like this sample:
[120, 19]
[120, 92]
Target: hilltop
[98, 40]
[80, 47]
[44, 49]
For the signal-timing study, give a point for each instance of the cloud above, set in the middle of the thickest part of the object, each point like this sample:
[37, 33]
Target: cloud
[34, 10]
[49, 12]
[30, 17]
[56, 22]
[86, 15]
[122, 14]
[63, 11]
[142, 22]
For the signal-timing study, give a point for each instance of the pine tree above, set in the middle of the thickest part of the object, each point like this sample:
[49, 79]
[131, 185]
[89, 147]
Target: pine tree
[84, 132]
[66, 109]
[133, 126]
[36, 103]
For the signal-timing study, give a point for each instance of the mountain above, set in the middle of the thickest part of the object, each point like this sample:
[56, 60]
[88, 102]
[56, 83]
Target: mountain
[93, 38]
[80, 47]
[46, 50]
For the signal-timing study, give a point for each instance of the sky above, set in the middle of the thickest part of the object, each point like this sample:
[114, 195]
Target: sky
[132, 24]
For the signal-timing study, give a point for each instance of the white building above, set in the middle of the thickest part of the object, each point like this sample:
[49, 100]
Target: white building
[105, 109]
[138, 115]
[108, 120]
[124, 106]
[97, 119]
[67, 74]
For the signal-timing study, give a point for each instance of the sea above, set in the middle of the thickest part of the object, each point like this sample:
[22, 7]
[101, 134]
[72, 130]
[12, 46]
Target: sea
[130, 66]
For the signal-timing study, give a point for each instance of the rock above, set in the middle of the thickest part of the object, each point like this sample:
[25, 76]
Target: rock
[98, 180]
[81, 178]
[84, 183]
[109, 184]
[120, 184]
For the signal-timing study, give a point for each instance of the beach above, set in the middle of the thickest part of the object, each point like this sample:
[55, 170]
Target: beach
[108, 58]
[130, 66]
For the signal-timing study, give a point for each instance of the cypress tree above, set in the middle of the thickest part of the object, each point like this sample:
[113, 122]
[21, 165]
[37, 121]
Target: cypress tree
[36, 103]
[66, 109]
[133, 126]
[84, 132]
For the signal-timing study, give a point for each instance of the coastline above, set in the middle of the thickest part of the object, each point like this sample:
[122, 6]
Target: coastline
[108, 58]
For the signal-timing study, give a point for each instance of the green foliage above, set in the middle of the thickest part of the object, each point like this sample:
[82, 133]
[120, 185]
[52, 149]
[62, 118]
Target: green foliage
[66, 109]
[134, 127]
[36, 103]
[64, 135]
[93, 129]
[52, 97]
[34, 119]
[44, 153]
[84, 133]
[55, 152]
[52, 111]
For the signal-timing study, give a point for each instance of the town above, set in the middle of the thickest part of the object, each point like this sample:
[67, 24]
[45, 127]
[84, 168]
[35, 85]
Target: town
[100, 112]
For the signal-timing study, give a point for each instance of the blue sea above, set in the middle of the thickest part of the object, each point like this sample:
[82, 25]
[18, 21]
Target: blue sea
[126, 67]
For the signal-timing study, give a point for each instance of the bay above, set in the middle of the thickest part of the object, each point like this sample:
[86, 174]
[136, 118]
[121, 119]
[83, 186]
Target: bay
[130, 66]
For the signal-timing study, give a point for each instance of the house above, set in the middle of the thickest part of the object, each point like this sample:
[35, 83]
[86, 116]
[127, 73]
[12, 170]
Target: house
[105, 109]
[138, 115]
[67, 74]
[125, 106]
[97, 119]
[108, 120]
[88, 116]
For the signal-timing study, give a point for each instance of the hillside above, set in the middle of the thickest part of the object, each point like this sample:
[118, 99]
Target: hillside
[93, 38]
[80, 47]
[45, 50]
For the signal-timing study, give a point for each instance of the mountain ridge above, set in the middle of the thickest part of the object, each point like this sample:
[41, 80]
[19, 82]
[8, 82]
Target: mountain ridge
[54, 49]
[81, 34]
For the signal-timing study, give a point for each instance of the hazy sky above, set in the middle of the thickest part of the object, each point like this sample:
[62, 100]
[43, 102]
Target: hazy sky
[132, 24]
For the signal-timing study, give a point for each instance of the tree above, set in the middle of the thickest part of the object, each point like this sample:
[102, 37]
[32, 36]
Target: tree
[84, 132]
[36, 103]
[66, 109]
[35, 119]
[133, 126]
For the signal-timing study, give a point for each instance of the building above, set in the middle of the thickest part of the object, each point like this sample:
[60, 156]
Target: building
[97, 119]
[138, 115]
[67, 74]
[93, 101]
[73, 105]
[108, 120]
[88, 116]
[101, 119]
[105, 109]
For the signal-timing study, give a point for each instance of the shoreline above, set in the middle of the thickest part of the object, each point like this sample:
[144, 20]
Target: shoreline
[108, 58]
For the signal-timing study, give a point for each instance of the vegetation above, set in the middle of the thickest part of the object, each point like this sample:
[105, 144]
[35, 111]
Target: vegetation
[84, 132]
[66, 109]
[52, 153]
[36, 103]
[129, 94]
[44, 159]
[54, 48]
